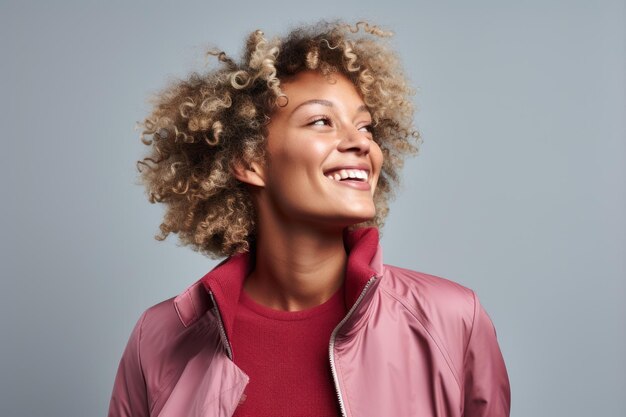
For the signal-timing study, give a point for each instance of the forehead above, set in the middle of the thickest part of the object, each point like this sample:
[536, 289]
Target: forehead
[312, 86]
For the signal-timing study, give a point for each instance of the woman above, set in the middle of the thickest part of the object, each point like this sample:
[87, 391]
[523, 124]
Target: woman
[285, 163]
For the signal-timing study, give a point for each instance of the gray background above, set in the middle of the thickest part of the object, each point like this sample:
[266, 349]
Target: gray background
[518, 191]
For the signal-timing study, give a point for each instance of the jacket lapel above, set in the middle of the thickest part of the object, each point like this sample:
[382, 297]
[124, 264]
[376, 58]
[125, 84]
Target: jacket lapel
[210, 385]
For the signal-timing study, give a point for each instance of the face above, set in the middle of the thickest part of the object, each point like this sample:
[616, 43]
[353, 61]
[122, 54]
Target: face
[323, 165]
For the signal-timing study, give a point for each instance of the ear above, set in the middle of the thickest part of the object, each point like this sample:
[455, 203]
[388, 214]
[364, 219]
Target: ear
[252, 174]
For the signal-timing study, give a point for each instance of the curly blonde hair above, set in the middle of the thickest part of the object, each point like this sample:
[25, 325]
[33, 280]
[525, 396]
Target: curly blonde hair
[201, 127]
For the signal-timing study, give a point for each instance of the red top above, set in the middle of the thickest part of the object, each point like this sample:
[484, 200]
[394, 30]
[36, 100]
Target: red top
[285, 354]
[287, 360]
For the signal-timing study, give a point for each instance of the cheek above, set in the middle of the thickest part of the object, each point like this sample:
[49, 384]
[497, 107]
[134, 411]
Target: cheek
[304, 157]
[376, 157]
[296, 167]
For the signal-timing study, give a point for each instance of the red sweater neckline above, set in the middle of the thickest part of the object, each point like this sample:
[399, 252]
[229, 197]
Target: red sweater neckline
[226, 280]
[335, 301]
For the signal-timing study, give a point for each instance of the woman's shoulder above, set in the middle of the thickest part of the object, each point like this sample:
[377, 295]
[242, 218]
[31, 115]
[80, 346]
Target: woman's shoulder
[177, 314]
[181, 321]
[160, 317]
[163, 342]
[440, 304]
[427, 287]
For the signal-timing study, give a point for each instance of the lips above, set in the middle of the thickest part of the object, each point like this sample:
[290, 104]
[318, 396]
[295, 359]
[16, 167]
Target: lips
[353, 176]
[359, 173]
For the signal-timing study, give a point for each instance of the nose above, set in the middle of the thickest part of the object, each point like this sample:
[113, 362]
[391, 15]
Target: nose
[355, 140]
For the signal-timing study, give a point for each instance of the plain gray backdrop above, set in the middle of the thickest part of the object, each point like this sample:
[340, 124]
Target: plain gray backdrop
[518, 191]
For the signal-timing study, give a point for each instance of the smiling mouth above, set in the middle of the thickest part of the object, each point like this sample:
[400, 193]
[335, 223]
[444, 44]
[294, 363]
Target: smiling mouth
[353, 178]
[350, 175]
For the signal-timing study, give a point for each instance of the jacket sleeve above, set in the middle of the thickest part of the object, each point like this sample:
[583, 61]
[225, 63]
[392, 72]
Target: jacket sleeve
[129, 397]
[487, 389]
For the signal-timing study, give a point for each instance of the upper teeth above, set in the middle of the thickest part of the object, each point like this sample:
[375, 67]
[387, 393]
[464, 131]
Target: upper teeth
[348, 173]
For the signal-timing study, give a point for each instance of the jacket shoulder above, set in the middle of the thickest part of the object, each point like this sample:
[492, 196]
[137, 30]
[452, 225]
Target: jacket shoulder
[174, 323]
[176, 315]
[166, 343]
[160, 318]
[429, 292]
[443, 307]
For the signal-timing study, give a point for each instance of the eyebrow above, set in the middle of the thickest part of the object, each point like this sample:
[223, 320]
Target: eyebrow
[362, 108]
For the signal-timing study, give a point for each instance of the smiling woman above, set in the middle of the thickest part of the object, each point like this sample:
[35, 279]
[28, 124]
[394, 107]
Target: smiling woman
[284, 163]
[202, 128]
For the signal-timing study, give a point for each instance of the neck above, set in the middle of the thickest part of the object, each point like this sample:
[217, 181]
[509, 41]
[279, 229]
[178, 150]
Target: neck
[297, 267]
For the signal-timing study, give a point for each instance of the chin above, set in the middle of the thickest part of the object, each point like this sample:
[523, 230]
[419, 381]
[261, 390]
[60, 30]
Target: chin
[348, 219]
[362, 216]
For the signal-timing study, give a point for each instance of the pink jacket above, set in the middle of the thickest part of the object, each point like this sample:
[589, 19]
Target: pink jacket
[412, 344]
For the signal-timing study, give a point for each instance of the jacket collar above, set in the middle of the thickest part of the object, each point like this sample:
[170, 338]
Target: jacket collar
[226, 280]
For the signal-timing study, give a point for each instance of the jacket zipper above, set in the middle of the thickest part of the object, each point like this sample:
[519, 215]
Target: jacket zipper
[229, 352]
[330, 346]
[332, 343]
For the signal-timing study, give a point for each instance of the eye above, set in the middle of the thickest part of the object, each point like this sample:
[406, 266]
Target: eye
[320, 121]
[367, 128]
